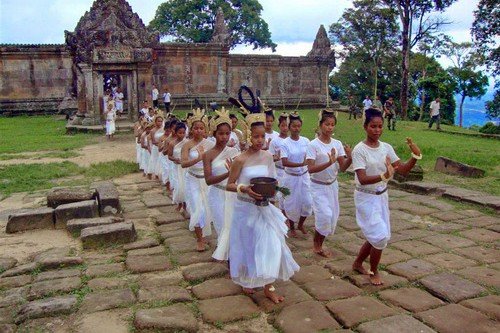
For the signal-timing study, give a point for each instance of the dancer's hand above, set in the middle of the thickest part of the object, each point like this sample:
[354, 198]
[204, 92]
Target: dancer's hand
[200, 150]
[229, 162]
[248, 190]
[347, 150]
[231, 143]
[268, 142]
[390, 169]
[413, 146]
[333, 156]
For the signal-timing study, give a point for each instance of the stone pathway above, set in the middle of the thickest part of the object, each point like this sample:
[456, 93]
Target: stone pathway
[441, 273]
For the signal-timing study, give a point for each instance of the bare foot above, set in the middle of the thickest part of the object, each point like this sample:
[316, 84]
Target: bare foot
[248, 291]
[301, 228]
[178, 208]
[360, 269]
[200, 246]
[323, 253]
[275, 298]
[293, 233]
[150, 176]
[375, 279]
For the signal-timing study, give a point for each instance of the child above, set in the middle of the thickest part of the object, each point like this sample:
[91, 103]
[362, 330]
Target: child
[110, 120]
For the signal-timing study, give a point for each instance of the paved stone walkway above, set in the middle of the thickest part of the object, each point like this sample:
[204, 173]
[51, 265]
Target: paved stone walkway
[441, 273]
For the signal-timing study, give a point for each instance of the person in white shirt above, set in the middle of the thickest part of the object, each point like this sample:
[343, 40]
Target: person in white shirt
[325, 158]
[167, 100]
[275, 149]
[297, 205]
[145, 111]
[435, 116]
[110, 120]
[236, 134]
[374, 163]
[154, 94]
[270, 133]
[367, 103]
[119, 100]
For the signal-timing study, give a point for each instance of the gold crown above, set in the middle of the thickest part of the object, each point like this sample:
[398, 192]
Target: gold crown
[198, 115]
[221, 117]
[159, 114]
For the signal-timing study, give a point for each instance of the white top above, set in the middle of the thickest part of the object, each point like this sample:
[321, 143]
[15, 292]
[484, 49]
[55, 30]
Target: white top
[272, 136]
[295, 152]
[319, 152]
[435, 108]
[144, 111]
[275, 148]
[118, 97]
[234, 137]
[154, 94]
[110, 115]
[367, 103]
[373, 161]
[166, 97]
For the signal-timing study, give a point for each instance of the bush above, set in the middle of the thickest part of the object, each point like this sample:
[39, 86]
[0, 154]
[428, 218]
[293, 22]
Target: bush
[490, 128]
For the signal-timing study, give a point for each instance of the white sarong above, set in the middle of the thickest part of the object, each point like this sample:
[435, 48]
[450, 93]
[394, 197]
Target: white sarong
[326, 207]
[373, 217]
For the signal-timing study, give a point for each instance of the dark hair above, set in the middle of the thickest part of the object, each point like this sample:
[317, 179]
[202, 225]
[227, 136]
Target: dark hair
[218, 126]
[233, 116]
[370, 114]
[179, 125]
[269, 114]
[281, 119]
[260, 123]
[173, 123]
[327, 115]
[167, 125]
[292, 119]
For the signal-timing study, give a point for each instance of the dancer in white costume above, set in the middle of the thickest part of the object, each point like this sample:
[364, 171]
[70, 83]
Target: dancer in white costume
[110, 120]
[169, 165]
[298, 205]
[137, 134]
[270, 133]
[216, 163]
[195, 186]
[236, 134]
[146, 149]
[275, 149]
[164, 168]
[153, 139]
[258, 254]
[325, 158]
[375, 162]
[178, 172]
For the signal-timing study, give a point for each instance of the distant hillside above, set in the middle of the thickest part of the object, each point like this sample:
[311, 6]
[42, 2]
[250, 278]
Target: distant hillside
[474, 110]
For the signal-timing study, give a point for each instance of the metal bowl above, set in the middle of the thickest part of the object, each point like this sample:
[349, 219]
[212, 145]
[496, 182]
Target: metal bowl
[265, 186]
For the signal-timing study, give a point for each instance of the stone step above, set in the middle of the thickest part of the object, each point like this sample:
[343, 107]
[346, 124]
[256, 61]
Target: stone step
[106, 235]
[75, 210]
[46, 308]
[108, 197]
[63, 196]
[40, 218]
[75, 226]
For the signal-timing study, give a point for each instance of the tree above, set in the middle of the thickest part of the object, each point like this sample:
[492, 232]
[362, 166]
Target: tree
[368, 28]
[194, 21]
[486, 33]
[416, 23]
[493, 107]
[469, 83]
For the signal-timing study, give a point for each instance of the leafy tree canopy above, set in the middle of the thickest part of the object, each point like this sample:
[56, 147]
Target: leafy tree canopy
[194, 21]
[486, 33]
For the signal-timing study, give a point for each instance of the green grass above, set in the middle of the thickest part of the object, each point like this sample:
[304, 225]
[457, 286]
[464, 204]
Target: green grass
[480, 152]
[41, 133]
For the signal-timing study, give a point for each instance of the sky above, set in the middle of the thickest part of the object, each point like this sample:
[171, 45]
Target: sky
[293, 23]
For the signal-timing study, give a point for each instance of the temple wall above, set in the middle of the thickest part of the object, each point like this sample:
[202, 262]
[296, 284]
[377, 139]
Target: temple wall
[34, 77]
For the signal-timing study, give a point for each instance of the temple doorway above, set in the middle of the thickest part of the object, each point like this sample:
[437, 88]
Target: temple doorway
[115, 82]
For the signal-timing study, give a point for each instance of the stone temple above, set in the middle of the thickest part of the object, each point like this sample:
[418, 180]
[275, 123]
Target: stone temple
[111, 43]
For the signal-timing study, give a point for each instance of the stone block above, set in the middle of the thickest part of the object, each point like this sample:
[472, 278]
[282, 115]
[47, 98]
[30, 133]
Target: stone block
[363, 281]
[292, 293]
[190, 258]
[352, 311]
[331, 289]
[7, 263]
[8, 328]
[102, 270]
[226, 309]
[480, 221]
[6, 316]
[416, 174]
[143, 264]
[14, 281]
[62, 196]
[46, 308]
[169, 219]
[49, 287]
[451, 287]
[416, 248]
[165, 293]
[106, 235]
[59, 262]
[481, 235]
[411, 299]
[108, 197]
[449, 166]
[75, 210]
[394, 324]
[341, 268]
[175, 318]
[106, 300]
[481, 254]
[141, 244]
[450, 261]
[20, 270]
[489, 305]
[13, 297]
[107, 283]
[216, 288]
[311, 274]
[159, 279]
[75, 226]
[203, 271]
[306, 317]
[147, 251]
[59, 274]
[483, 275]
[448, 241]
[40, 218]
[412, 269]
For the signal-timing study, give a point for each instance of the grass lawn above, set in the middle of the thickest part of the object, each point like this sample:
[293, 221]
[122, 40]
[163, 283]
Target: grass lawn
[480, 152]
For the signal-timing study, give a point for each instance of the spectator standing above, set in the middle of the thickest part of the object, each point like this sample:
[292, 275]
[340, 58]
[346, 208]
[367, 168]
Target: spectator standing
[390, 113]
[119, 100]
[154, 94]
[377, 104]
[367, 103]
[435, 116]
[166, 100]
[352, 107]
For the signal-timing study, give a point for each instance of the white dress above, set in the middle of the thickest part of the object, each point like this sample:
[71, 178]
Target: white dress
[258, 253]
[157, 166]
[299, 202]
[275, 148]
[179, 173]
[271, 136]
[372, 210]
[196, 192]
[145, 156]
[110, 122]
[154, 156]
[324, 185]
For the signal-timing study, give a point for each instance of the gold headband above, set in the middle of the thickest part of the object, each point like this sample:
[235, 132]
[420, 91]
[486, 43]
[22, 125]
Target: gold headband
[198, 115]
[159, 114]
[221, 117]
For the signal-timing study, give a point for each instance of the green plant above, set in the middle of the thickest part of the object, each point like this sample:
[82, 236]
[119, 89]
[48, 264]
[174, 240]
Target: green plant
[490, 128]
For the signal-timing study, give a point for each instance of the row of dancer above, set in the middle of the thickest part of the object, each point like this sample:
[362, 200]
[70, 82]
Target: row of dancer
[211, 181]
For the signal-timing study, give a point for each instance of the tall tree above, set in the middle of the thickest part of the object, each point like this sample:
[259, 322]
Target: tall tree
[369, 28]
[417, 22]
[194, 21]
[469, 82]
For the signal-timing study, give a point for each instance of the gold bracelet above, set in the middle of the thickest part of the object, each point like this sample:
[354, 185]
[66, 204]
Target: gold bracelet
[384, 178]
[238, 188]
[417, 157]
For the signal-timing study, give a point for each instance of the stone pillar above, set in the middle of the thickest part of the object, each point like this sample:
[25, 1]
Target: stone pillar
[90, 103]
[144, 82]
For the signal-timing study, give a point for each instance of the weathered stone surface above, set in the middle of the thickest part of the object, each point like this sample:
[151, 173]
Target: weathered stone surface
[172, 226]
[169, 219]
[490, 305]
[157, 200]
[15, 281]
[306, 317]
[188, 245]
[59, 274]
[481, 254]
[108, 197]
[8, 328]
[342, 267]
[292, 293]
[63, 196]
[452, 167]
[105, 235]
[189, 258]
[450, 287]
[363, 281]
[199, 272]
[7, 263]
[46, 308]
[159, 279]
[416, 174]
[392, 256]
[450, 261]
[49, 287]
[216, 288]
[111, 321]
[106, 300]
[481, 235]
[143, 264]
[75, 210]
[394, 324]
[173, 318]
[55, 252]
[147, 251]
[21, 269]
[482, 275]
[480, 221]
[447, 227]
[40, 218]
[6, 316]
[107, 269]
[176, 233]
[229, 308]
[448, 216]
[310, 274]
[107, 283]
[59, 262]
[75, 226]
[411, 299]
[164, 293]
[412, 208]
[412, 269]
[416, 248]
[331, 289]
[454, 318]
[141, 244]
[13, 297]
[352, 311]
